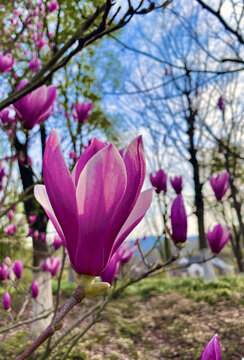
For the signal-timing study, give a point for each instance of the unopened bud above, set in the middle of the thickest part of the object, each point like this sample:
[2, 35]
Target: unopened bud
[96, 288]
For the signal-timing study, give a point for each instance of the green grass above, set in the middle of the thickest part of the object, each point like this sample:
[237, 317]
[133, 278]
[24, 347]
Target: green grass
[231, 287]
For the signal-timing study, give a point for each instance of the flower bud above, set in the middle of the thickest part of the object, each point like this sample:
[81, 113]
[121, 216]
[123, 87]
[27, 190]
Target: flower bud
[34, 289]
[18, 268]
[6, 301]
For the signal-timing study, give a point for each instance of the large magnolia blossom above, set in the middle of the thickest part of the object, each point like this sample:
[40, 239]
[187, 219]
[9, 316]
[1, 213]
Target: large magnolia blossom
[95, 208]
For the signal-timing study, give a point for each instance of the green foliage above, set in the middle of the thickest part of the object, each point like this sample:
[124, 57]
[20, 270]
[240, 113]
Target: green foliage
[230, 287]
[66, 287]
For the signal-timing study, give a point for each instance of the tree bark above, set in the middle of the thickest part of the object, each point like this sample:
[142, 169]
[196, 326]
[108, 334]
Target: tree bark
[40, 249]
[209, 274]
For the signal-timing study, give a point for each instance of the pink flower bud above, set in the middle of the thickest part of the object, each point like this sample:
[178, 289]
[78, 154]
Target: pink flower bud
[32, 218]
[36, 234]
[5, 116]
[52, 6]
[212, 351]
[34, 65]
[7, 261]
[11, 215]
[52, 265]
[218, 237]
[42, 237]
[83, 111]
[16, 12]
[3, 272]
[6, 301]
[30, 231]
[220, 184]
[72, 155]
[41, 43]
[34, 289]
[18, 268]
[176, 183]
[6, 62]
[220, 103]
[57, 242]
[159, 181]
[178, 220]
[10, 229]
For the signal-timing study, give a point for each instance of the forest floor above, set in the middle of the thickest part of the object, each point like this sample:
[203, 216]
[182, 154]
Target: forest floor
[154, 319]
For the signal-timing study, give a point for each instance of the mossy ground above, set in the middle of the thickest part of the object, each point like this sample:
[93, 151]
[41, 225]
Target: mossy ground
[155, 319]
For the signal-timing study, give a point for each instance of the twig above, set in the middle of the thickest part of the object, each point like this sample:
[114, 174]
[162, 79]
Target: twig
[56, 323]
[24, 322]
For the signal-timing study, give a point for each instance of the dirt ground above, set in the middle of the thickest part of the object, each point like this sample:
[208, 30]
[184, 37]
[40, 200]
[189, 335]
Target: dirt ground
[156, 326]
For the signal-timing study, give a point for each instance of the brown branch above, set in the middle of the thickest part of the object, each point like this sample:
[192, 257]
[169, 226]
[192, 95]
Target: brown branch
[39, 78]
[222, 20]
[56, 323]
[83, 41]
[24, 322]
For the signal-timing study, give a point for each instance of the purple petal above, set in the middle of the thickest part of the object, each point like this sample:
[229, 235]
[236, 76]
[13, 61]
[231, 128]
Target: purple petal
[212, 350]
[134, 160]
[61, 192]
[100, 188]
[41, 196]
[142, 205]
[111, 270]
[92, 149]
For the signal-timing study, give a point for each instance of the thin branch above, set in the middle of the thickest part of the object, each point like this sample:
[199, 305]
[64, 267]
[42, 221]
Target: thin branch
[56, 323]
[217, 14]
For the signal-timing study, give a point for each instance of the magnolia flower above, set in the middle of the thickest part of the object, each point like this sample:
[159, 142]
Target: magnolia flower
[218, 237]
[178, 220]
[83, 111]
[32, 218]
[125, 252]
[121, 256]
[220, 184]
[176, 183]
[34, 289]
[6, 301]
[3, 272]
[111, 269]
[35, 234]
[52, 6]
[10, 229]
[212, 350]
[11, 215]
[159, 181]
[73, 156]
[220, 103]
[6, 62]
[18, 268]
[35, 106]
[43, 237]
[5, 116]
[57, 242]
[34, 64]
[52, 265]
[7, 261]
[41, 43]
[94, 209]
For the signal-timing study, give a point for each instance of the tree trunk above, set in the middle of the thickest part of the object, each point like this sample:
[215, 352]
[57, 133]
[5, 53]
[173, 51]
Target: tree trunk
[236, 203]
[40, 249]
[209, 274]
[43, 304]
